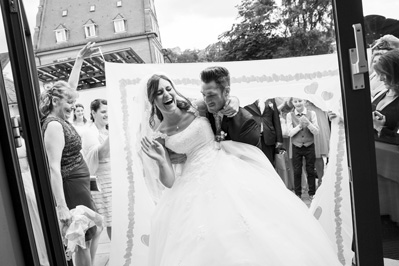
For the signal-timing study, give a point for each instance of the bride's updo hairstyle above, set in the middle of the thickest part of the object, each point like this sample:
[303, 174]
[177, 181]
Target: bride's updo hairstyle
[61, 90]
[152, 88]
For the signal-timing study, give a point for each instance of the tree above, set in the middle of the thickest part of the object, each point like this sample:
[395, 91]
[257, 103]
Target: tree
[265, 30]
[187, 56]
[256, 36]
[302, 43]
[308, 27]
[308, 15]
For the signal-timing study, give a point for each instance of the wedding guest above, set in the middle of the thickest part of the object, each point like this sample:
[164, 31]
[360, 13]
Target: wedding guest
[96, 150]
[386, 106]
[266, 114]
[379, 47]
[222, 210]
[302, 126]
[79, 119]
[69, 174]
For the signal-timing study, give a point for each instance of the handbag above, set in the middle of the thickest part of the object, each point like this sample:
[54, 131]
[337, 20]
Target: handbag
[282, 166]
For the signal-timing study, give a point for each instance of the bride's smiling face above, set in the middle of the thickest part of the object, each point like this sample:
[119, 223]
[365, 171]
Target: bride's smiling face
[165, 96]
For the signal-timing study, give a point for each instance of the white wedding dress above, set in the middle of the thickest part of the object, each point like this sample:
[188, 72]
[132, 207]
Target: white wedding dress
[229, 207]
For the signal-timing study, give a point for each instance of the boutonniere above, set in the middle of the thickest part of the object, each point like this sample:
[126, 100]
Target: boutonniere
[221, 137]
[218, 138]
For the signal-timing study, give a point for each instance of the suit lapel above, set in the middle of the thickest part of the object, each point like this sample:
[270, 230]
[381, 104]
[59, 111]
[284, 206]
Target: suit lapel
[254, 108]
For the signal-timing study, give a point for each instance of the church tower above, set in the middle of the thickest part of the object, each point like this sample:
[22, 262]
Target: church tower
[126, 30]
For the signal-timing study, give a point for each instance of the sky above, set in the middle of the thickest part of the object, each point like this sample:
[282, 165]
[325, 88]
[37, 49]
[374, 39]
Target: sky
[193, 24]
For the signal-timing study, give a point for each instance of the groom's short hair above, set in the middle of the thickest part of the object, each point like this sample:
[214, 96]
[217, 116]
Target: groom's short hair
[219, 74]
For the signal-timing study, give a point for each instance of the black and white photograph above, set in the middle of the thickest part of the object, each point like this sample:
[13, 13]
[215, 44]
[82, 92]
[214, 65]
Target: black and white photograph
[199, 133]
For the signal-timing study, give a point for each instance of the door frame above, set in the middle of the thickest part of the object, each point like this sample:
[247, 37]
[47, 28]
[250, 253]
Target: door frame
[359, 139]
[19, 42]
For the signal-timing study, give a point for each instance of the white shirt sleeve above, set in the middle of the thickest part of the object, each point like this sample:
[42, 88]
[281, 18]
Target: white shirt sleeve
[292, 131]
[90, 146]
[313, 125]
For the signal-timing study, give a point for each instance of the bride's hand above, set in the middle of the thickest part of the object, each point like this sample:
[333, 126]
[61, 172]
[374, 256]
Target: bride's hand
[231, 107]
[153, 149]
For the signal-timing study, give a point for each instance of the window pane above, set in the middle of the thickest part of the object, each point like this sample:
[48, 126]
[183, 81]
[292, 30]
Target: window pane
[119, 25]
[21, 151]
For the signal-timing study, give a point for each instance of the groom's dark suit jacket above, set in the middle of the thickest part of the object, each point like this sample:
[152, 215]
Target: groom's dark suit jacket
[242, 127]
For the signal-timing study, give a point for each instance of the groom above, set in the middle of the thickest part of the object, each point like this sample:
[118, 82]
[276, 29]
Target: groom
[216, 89]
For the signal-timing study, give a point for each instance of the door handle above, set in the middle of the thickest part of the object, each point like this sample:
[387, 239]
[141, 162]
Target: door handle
[358, 60]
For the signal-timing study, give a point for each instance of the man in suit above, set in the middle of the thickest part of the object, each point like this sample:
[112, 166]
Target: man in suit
[266, 114]
[216, 89]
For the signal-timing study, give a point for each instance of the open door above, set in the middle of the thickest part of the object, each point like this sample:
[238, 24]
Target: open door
[26, 85]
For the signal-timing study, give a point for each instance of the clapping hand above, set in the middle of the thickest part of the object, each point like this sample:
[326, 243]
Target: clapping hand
[304, 121]
[153, 149]
[87, 50]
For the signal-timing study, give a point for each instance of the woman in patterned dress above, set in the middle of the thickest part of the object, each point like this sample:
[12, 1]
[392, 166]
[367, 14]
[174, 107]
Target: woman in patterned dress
[69, 174]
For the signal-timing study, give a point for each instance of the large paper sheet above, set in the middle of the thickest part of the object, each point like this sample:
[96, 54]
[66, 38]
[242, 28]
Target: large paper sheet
[315, 78]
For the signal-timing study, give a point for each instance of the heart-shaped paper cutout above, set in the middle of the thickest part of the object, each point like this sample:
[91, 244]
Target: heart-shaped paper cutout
[312, 88]
[327, 95]
[145, 239]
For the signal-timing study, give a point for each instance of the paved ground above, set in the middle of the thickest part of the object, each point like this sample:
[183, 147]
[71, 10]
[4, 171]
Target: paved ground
[104, 248]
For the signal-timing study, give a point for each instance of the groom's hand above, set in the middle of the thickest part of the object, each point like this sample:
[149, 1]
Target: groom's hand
[176, 158]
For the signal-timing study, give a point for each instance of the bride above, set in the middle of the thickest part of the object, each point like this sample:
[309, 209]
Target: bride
[228, 206]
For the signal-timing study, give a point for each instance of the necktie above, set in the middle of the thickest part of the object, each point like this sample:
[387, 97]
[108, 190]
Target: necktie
[218, 122]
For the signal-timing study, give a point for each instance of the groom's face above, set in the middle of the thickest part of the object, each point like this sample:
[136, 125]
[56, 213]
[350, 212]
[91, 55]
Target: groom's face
[214, 98]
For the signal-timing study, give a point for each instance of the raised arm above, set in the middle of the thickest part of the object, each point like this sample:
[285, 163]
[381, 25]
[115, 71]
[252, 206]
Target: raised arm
[54, 144]
[157, 152]
[74, 77]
